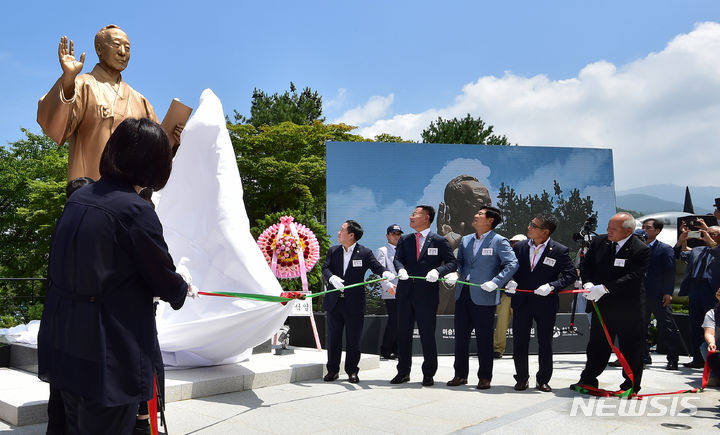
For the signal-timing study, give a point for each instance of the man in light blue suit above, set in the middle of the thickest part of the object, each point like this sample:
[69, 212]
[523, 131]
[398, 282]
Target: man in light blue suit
[484, 258]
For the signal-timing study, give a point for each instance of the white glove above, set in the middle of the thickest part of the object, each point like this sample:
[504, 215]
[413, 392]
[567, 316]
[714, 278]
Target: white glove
[388, 275]
[510, 287]
[596, 292]
[587, 285]
[336, 281]
[432, 276]
[544, 290]
[183, 271]
[451, 278]
[193, 292]
[488, 286]
[403, 275]
[578, 284]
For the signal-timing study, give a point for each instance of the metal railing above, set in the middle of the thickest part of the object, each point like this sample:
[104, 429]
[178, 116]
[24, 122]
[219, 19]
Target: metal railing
[17, 294]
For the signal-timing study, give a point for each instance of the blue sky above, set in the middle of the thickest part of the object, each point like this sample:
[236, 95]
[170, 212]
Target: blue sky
[639, 77]
[379, 184]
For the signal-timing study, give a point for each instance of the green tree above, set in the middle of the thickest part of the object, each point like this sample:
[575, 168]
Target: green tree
[466, 130]
[385, 137]
[33, 175]
[571, 210]
[303, 108]
[283, 166]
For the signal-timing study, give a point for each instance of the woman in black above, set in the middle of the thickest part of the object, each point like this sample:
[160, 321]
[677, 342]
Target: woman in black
[97, 343]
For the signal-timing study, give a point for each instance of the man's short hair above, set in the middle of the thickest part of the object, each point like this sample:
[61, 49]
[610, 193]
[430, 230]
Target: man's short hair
[430, 210]
[493, 213]
[657, 224]
[101, 34]
[548, 221]
[354, 228]
[77, 183]
[138, 153]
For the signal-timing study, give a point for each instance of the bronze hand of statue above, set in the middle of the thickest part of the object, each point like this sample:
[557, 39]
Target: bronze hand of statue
[70, 66]
[443, 224]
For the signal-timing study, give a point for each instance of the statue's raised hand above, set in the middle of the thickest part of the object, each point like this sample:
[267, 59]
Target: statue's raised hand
[68, 63]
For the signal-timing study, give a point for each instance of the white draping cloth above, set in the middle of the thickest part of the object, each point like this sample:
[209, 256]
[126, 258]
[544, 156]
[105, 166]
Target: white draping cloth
[207, 229]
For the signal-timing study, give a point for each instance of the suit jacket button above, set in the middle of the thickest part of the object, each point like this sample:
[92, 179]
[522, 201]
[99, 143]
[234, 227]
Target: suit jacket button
[92, 298]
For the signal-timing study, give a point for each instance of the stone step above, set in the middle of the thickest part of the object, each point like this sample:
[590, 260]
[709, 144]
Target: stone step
[23, 397]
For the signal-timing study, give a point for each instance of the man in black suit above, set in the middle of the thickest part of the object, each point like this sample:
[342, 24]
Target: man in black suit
[425, 254]
[613, 270]
[659, 287]
[344, 265]
[545, 267]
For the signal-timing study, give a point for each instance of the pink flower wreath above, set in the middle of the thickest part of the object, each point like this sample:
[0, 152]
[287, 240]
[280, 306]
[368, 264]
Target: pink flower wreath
[286, 246]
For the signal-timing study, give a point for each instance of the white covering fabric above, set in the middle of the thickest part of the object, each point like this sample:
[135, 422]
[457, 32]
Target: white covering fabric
[207, 230]
[22, 334]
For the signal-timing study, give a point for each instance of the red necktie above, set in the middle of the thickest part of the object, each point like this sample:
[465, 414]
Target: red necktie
[417, 245]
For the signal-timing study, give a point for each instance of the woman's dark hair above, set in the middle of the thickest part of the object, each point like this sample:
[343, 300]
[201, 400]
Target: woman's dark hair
[138, 152]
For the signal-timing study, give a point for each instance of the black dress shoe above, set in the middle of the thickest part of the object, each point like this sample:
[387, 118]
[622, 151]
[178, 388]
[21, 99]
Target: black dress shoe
[456, 382]
[428, 381]
[497, 355]
[483, 384]
[615, 363]
[331, 377]
[627, 385]
[545, 388]
[399, 379]
[695, 364]
[580, 385]
[671, 365]
[353, 378]
[521, 386]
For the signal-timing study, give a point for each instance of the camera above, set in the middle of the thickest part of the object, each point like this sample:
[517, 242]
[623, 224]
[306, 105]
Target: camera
[587, 231]
[693, 234]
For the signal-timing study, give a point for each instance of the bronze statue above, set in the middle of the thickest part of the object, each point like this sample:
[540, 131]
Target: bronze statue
[86, 108]
[464, 196]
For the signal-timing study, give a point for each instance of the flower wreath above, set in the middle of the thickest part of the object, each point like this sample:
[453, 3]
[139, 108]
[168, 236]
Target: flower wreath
[291, 249]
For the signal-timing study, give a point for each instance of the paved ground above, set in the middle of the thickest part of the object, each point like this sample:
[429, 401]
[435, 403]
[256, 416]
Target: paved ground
[375, 406]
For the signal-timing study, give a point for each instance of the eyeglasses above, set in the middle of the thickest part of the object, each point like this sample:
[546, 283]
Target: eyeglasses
[533, 225]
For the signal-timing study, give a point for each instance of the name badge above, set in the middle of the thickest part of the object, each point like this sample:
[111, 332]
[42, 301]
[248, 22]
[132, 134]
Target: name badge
[357, 263]
[619, 262]
[487, 251]
[549, 261]
[432, 251]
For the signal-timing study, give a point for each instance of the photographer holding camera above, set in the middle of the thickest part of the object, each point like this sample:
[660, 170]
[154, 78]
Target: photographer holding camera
[697, 283]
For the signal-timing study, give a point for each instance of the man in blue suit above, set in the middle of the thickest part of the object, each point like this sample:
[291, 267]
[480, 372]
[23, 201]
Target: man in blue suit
[545, 267]
[484, 258]
[697, 284]
[659, 287]
[424, 254]
[344, 265]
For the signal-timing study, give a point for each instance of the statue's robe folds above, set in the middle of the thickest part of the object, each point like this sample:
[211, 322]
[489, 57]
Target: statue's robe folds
[89, 117]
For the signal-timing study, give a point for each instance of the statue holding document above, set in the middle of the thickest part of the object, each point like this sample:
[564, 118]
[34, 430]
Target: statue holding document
[87, 108]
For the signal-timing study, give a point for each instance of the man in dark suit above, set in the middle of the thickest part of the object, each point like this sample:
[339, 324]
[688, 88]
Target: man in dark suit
[545, 267]
[613, 270]
[697, 283]
[659, 287]
[344, 265]
[425, 254]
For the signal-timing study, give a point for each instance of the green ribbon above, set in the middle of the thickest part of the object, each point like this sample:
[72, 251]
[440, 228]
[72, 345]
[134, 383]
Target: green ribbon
[270, 298]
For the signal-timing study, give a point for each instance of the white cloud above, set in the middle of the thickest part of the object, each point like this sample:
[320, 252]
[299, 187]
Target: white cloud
[434, 192]
[360, 201]
[336, 102]
[375, 108]
[659, 114]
